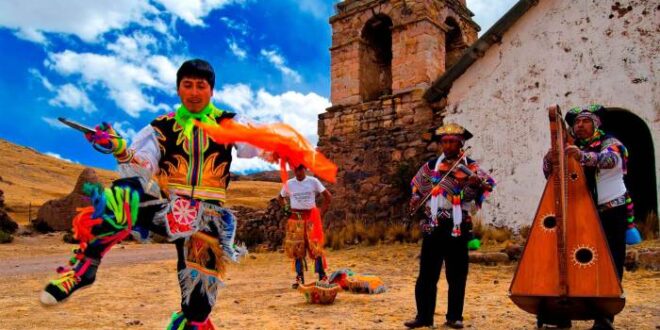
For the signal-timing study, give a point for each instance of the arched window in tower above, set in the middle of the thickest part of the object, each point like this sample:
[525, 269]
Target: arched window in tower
[454, 44]
[376, 58]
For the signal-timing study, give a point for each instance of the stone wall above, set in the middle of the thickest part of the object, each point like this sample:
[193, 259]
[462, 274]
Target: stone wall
[378, 148]
[377, 144]
[261, 227]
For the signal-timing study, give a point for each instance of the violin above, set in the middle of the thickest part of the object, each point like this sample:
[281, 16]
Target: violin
[464, 172]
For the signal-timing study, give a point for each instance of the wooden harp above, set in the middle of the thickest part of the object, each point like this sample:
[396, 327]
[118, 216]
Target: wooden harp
[566, 270]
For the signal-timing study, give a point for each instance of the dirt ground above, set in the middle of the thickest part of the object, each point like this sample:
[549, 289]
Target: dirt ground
[136, 288]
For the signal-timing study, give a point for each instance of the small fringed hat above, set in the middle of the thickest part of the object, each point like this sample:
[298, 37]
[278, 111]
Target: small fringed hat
[592, 111]
[448, 129]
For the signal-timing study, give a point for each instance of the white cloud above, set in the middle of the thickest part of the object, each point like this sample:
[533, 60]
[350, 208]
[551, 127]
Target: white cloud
[236, 50]
[53, 122]
[318, 8]
[487, 12]
[89, 20]
[125, 130]
[278, 61]
[68, 95]
[242, 28]
[73, 97]
[250, 165]
[85, 19]
[54, 155]
[164, 70]
[192, 11]
[43, 79]
[135, 46]
[30, 34]
[296, 109]
[126, 80]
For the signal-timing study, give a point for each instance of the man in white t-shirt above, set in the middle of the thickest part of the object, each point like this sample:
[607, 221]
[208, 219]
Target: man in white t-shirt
[304, 230]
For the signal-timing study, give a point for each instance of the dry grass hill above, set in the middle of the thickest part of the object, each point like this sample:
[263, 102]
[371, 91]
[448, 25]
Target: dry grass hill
[28, 177]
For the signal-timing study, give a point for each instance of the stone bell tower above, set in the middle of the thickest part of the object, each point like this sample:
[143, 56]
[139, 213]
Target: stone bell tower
[384, 55]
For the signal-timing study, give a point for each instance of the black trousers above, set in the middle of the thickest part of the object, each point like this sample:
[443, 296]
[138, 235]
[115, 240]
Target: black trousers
[440, 247]
[615, 222]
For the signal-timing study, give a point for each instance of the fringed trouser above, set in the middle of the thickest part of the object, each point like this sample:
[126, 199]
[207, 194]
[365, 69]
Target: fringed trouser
[304, 238]
[202, 253]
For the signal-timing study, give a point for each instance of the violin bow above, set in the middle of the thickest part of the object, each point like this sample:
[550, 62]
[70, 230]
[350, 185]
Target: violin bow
[439, 182]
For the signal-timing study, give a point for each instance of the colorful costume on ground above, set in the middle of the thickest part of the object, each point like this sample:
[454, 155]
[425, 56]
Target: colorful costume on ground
[447, 226]
[193, 172]
[357, 283]
[604, 160]
[304, 229]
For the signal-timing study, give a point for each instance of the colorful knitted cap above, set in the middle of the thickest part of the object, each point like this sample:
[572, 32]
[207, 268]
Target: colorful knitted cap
[592, 111]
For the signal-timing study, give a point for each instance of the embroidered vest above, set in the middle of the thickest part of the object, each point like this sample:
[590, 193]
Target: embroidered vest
[195, 167]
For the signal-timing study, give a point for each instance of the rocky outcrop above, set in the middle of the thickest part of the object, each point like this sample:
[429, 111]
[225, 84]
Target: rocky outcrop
[57, 214]
[6, 223]
[261, 227]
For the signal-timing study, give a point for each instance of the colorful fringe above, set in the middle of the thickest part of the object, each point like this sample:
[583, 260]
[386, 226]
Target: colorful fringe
[632, 234]
[200, 249]
[179, 322]
[427, 182]
[226, 232]
[190, 277]
[106, 223]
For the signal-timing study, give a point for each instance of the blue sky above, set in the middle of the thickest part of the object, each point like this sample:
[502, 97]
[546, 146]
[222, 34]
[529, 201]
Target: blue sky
[116, 61]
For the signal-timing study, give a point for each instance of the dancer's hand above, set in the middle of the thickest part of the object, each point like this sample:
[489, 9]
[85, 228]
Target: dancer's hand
[103, 141]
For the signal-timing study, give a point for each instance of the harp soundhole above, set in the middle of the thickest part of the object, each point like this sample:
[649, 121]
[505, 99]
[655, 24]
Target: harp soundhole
[584, 256]
[550, 222]
[573, 176]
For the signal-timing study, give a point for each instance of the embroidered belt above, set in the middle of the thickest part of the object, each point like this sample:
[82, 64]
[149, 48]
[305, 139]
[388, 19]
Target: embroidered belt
[621, 200]
[200, 192]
